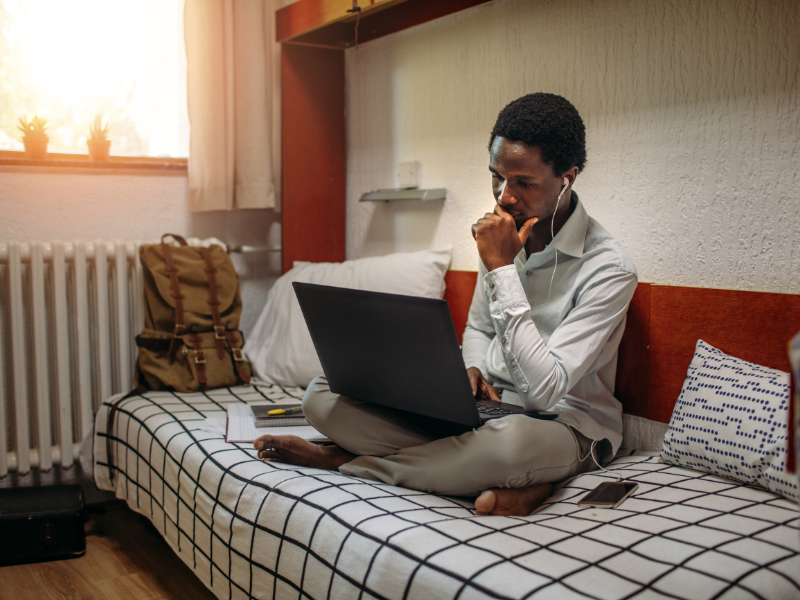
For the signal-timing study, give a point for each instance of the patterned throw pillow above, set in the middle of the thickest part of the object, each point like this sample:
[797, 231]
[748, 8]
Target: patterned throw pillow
[731, 420]
[794, 405]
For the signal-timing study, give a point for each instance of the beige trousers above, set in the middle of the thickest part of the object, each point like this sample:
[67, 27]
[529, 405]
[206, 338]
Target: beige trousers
[513, 451]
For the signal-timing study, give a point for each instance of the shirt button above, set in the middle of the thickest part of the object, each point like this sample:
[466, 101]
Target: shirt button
[503, 341]
[491, 285]
[528, 272]
[504, 369]
[494, 298]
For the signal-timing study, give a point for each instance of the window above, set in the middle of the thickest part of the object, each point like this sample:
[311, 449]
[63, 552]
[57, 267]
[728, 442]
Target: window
[68, 61]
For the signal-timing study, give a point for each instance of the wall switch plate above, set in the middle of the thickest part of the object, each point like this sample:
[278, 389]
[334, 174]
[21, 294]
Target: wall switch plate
[408, 174]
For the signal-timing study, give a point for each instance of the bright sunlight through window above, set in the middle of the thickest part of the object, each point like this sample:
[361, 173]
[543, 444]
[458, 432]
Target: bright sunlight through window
[71, 60]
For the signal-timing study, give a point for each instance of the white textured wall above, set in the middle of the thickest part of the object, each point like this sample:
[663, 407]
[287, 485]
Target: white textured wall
[41, 204]
[47, 205]
[693, 120]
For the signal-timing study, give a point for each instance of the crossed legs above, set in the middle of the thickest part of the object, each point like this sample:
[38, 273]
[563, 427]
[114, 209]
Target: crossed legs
[508, 464]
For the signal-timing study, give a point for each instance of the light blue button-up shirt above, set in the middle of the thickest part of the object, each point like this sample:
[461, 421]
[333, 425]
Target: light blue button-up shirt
[560, 353]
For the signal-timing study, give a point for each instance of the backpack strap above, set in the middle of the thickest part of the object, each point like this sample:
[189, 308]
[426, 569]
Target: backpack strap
[178, 238]
[238, 359]
[180, 326]
[213, 301]
[199, 359]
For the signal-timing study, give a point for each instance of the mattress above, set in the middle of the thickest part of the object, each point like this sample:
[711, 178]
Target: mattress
[249, 528]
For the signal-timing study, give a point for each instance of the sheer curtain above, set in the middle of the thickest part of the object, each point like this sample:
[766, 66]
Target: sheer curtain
[233, 73]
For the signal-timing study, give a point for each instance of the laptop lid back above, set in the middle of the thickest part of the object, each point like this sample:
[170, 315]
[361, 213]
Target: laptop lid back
[393, 350]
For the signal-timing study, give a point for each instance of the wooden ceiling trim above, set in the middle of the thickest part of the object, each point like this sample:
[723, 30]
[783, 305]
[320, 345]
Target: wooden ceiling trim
[328, 23]
[306, 16]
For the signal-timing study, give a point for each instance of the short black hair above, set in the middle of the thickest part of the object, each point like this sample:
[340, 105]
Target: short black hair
[549, 122]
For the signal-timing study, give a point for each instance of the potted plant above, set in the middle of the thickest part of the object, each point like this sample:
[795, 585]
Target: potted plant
[34, 136]
[98, 142]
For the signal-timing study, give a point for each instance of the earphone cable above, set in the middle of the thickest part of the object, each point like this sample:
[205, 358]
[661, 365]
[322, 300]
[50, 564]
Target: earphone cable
[599, 466]
[552, 237]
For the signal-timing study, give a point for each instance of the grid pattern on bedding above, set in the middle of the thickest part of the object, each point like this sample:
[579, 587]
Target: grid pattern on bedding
[266, 530]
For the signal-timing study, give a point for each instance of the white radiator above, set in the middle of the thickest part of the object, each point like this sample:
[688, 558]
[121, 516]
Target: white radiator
[69, 313]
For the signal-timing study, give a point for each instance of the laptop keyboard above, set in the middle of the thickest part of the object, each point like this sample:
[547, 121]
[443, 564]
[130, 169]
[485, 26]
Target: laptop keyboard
[495, 411]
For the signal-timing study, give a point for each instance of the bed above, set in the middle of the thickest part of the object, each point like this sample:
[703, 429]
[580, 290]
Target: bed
[253, 529]
[268, 530]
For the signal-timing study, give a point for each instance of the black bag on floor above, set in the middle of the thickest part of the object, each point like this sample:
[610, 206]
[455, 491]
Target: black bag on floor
[41, 523]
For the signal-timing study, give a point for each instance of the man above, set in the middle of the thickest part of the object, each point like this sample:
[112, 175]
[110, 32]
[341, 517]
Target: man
[543, 330]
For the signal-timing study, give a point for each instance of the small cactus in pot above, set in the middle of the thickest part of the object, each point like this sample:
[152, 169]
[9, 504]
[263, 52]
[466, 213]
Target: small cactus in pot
[34, 136]
[98, 143]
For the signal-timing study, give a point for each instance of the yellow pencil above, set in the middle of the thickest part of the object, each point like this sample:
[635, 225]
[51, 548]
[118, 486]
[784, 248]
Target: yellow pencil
[281, 411]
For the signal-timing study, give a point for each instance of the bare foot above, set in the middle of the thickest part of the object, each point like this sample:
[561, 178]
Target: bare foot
[514, 502]
[297, 451]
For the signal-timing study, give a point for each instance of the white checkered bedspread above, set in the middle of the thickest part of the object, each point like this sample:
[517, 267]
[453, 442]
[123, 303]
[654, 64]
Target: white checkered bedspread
[266, 530]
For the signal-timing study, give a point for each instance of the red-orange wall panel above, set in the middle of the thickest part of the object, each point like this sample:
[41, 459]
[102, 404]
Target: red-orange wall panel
[458, 294]
[313, 155]
[754, 326]
[633, 360]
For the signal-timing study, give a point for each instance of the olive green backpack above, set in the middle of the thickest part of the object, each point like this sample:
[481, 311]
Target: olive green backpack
[191, 340]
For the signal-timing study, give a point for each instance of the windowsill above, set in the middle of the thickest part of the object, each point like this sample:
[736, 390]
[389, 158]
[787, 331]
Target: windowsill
[80, 163]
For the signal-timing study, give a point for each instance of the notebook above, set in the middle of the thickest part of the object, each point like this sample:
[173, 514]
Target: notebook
[241, 427]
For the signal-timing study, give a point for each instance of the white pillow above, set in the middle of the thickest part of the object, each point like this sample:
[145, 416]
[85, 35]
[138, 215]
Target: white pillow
[280, 349]
[731, 420]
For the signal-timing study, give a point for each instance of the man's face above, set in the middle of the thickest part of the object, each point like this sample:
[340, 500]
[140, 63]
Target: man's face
[531, 185]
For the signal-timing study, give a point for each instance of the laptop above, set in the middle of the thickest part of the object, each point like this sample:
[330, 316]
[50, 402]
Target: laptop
[396, 351]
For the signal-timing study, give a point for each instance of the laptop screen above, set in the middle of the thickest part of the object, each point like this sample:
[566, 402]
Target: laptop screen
[397, 351]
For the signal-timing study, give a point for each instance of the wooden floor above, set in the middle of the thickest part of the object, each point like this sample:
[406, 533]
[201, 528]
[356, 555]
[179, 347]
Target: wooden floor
[125, 558]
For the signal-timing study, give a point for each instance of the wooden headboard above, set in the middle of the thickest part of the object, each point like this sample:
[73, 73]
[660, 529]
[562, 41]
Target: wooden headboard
[664, 324]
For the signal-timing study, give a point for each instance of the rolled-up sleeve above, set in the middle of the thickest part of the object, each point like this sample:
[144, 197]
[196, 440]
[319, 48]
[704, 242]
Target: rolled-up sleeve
[545, 373]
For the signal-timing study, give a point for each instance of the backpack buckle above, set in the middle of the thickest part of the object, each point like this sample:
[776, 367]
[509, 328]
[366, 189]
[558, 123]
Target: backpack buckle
[179, 329]
[199, 357]
[237, 355]
[219, 332]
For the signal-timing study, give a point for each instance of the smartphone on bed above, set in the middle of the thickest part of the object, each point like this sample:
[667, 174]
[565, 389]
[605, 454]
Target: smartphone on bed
[609, 494]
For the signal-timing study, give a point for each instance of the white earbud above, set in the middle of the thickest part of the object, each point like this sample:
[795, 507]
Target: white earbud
[558, 200]
[563, 189]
